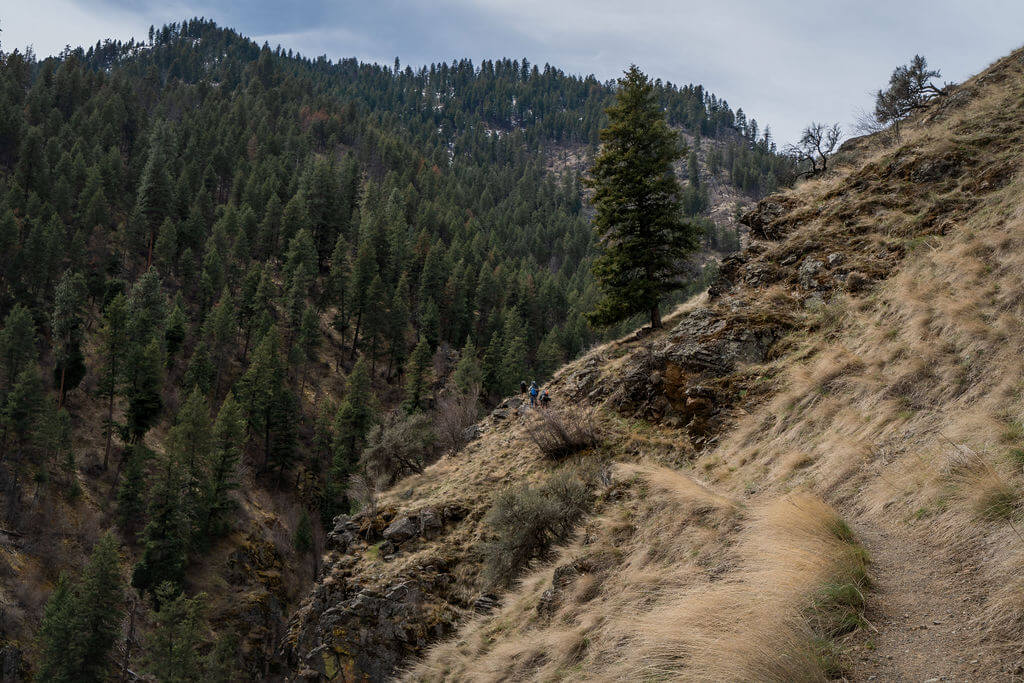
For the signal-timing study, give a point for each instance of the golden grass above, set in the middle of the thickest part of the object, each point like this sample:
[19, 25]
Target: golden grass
[679, 583]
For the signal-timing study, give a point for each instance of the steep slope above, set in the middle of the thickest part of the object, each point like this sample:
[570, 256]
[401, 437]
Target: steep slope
[860, 361]
[221, 264]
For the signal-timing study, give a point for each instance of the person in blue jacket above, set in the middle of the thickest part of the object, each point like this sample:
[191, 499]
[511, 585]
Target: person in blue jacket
[533, 393]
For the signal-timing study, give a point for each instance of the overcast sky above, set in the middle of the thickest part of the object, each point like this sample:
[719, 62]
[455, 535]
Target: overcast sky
[784, 62]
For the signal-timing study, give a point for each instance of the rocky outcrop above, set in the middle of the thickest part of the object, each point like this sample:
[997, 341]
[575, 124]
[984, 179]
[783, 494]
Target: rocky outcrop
[364, 619]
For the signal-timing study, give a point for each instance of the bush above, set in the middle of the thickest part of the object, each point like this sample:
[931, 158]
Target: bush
[527, 521]
[402, 445]
[455, 414]
[558, 435]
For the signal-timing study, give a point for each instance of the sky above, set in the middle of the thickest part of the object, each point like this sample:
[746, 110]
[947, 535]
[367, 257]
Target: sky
[786, 63]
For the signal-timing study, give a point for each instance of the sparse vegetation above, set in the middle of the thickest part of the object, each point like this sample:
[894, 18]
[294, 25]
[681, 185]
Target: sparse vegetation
[817, 143]
[559, 434]
[527, 520]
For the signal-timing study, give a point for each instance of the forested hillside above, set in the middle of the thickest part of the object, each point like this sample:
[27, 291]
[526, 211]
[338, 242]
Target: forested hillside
[230, 278]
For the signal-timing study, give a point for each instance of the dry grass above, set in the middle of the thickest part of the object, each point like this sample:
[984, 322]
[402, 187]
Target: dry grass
[879, 395]
[681, 586]
[560, 434]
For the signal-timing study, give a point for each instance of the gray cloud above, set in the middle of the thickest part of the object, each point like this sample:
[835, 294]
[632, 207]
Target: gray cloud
[785, 63]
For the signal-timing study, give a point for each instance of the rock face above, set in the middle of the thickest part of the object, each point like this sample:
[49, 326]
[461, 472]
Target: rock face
[360, 624]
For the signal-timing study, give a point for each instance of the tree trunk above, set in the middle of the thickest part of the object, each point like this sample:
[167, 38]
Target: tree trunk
[656, 317]
[60, 394]
[355, 337]
[110, 431]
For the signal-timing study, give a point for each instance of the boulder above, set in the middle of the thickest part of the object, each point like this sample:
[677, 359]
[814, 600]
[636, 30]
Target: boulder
[402, 529]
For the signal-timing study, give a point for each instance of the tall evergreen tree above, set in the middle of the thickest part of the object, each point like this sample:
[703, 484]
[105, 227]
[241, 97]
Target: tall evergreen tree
[643, 236]
[81, 622]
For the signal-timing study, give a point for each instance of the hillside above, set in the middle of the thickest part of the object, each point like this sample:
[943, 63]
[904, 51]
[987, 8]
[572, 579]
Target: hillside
[814, 472]
[231, 277]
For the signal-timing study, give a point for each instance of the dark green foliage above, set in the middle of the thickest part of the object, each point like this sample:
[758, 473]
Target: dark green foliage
[302, 540]
[355, 417]
[468, 375]
[526, 521]
[172, 649]
[65, 326]
[131, 501]
[416, 377]
[643, 236]
[143, 388]
[166, 535]
[228, 436]
[82, 620]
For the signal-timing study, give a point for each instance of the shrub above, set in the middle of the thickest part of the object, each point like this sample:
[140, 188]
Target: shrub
[559, 435]
[403, 445]
[527, 521]
[455, 414]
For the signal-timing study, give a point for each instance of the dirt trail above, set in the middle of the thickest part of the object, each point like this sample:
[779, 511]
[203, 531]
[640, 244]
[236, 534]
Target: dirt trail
[921, 613]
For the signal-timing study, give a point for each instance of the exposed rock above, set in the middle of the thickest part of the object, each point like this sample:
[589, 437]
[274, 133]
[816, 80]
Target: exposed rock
[499, 414]
[547, 602]
[834, 259]
[764, 220]
[808, 272]
[360, 631]
[472, 433]
[485, 603]
[402, 529]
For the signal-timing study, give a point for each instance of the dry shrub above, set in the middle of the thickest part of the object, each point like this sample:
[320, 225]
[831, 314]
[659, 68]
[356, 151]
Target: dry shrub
[402, 445]
[527, 521]
[363, 489]
[454, 415]
[559, 435]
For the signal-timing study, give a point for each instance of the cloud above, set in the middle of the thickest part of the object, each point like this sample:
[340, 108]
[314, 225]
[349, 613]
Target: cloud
[50, 25]
[785, 63]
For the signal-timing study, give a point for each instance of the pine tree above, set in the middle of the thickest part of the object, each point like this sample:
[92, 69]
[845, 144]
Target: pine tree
[165, 536]
[416, 376]
[131, 502]
[359, 285]
[189, 440]
[643, 237]
[177, 323]
[17, 343]
[351, 425]
[220, 330]
[143, 389]
[114, 347]
[512, 369]
[65, 326]
[81, 621]
[468, 375]
[20, 412]
[172, 649]
[396, 325]
[228, 436]
[153, 202]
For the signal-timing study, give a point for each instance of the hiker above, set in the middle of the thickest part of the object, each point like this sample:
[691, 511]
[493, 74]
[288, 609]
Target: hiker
[522, 386]
[533, 393]
[544, 399]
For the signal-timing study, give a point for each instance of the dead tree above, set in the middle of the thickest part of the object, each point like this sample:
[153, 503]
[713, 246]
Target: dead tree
[816, 145]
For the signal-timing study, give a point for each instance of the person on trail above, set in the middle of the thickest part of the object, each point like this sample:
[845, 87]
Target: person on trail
[522, 387]
[533, 393]
[544, 398]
